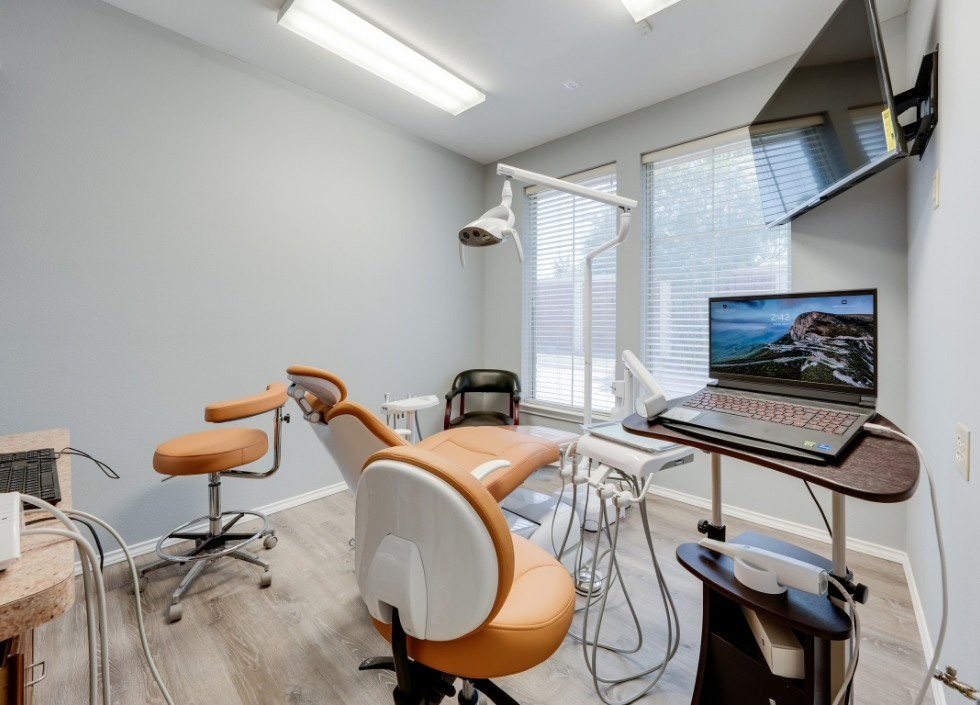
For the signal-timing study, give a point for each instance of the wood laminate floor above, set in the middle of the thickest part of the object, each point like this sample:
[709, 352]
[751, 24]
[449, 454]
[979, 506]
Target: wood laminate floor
[300, 641]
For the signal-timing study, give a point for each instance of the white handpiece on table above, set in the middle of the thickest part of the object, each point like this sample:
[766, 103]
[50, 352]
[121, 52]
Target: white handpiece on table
[770, 572]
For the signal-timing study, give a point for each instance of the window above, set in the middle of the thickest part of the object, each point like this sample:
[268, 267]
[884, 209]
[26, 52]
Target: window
[704, 235]
[560, 230]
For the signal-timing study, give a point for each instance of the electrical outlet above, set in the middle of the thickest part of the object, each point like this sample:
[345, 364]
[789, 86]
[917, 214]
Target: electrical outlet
[961, 450]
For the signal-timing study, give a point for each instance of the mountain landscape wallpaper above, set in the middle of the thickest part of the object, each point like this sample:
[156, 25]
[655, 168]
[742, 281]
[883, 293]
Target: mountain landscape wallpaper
[821, 339]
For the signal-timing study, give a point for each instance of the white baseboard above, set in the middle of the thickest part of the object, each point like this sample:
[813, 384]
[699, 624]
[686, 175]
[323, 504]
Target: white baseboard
[857, 545]
[149, 545]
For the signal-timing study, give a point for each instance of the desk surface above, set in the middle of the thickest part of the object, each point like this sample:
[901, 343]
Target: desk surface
[41, 585]
[876, 467]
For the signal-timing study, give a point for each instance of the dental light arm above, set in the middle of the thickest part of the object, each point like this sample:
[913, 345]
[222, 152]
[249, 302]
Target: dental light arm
[654, 401]
[488, 236]
[497, 224]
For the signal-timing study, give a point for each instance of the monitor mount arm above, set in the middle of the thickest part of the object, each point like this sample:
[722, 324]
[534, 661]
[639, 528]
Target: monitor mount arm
[924, 97]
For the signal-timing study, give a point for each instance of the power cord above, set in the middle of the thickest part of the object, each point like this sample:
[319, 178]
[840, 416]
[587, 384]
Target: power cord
[855, 640]
[819, 508]
[96, 610]
[937, 649]
[104, 467]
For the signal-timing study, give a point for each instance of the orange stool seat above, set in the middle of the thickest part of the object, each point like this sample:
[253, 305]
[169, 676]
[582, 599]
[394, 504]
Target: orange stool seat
[210, 451]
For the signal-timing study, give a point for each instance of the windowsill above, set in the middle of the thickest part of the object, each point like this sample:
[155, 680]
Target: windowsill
[559, 413]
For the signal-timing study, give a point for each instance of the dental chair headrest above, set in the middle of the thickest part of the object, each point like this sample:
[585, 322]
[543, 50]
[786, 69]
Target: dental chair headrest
[326, 388]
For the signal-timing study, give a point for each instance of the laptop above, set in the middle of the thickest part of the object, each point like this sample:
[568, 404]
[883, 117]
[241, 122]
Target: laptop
[796, 374]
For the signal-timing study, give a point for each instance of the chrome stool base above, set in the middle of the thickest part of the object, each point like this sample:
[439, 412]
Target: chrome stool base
[217, 540]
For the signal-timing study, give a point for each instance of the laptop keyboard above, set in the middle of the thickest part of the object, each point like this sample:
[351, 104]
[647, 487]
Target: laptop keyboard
[798, 415]
[32, 472]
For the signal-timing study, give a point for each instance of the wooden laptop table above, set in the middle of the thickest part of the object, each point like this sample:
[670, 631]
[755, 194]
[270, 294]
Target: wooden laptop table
[875, 468]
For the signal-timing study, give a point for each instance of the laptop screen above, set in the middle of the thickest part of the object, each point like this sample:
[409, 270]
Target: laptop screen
[824, 341]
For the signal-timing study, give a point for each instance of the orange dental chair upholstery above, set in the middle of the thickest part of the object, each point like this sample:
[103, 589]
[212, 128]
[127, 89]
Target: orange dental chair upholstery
[510, 604]
[502, 459]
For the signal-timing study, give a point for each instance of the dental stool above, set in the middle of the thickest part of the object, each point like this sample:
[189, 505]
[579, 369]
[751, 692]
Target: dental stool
[455, 593]
[219, 453]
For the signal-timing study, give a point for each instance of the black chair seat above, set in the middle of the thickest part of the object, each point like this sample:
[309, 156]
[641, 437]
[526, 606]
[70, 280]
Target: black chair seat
[482, 418]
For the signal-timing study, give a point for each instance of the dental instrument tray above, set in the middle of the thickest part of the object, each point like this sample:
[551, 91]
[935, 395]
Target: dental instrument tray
[614, 431]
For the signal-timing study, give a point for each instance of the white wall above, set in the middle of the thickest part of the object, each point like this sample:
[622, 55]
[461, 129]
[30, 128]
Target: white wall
[177, 227]
[944, 298]
[858, 240]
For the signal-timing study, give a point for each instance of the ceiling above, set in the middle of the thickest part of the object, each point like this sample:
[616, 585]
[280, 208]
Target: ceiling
[519, 52]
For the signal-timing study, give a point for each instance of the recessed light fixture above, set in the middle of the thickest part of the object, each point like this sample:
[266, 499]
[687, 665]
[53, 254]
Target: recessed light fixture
[641, 9]
[337, 29]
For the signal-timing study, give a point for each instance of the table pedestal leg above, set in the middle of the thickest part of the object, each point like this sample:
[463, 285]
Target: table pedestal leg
[714, 528]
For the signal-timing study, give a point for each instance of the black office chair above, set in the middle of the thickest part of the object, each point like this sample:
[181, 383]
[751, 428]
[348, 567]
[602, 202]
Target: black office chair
[484, 382]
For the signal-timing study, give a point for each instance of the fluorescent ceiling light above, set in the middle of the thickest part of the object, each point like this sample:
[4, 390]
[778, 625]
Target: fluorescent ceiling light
[641, 9]
[351, 37]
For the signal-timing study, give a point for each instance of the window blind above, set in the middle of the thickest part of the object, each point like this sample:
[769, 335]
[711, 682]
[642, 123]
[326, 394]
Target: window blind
[704, 235]
[560, 230]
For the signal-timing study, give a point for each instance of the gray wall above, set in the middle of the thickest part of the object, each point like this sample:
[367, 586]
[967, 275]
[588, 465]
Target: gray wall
[944, 297]
[858, 240]
[177, 227]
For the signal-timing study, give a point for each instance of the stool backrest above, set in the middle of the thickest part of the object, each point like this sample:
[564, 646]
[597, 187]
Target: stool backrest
[431, 542]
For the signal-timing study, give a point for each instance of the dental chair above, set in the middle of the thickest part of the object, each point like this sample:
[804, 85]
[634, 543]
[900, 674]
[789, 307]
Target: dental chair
[502, 458]
[454, 592]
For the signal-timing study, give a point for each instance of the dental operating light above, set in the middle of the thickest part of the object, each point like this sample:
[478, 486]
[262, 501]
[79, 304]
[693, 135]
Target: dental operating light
[349, 36]
[641, 9]
[493, 227]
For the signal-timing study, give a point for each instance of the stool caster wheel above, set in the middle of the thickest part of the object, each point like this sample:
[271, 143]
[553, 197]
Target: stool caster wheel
[175, 612]
[270, 542]
[473, 700]
[266, 579]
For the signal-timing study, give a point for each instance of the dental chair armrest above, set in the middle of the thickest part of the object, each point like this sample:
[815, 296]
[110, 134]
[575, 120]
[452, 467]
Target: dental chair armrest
[488, 468]
[274, 397]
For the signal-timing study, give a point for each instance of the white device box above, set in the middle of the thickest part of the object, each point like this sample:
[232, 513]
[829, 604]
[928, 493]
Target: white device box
[9, 528]
[779, 645]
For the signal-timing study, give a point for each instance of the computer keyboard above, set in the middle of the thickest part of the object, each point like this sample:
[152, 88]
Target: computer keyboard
[787, 414]
[32, 472]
